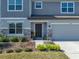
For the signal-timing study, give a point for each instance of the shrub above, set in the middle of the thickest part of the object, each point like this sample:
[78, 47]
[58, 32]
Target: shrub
[54, 47]
[1, 35]
[28, 50]
[57, 47]
[41, 47]
[9, 51]
[18, 50]
[45, 37]
[14, 39]
[1, 39]
[4, 39]
[0, 51]
[24, 39]
[49, 47]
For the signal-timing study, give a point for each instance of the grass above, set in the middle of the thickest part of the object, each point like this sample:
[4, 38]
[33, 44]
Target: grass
[34, 55]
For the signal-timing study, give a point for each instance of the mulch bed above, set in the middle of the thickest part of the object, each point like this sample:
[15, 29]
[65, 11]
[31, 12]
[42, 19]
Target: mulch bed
[13, 45]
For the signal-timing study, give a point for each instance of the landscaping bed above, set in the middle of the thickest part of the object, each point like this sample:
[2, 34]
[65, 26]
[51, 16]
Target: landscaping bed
[6, 46]
[22, 48]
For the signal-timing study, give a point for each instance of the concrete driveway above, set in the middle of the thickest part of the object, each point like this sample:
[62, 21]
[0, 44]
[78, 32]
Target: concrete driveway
[71, 48]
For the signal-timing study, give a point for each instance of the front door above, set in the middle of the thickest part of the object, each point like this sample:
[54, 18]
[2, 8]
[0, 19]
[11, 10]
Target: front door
[38, 30]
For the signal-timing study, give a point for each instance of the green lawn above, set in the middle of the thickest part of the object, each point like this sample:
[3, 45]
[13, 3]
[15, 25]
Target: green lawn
[34, 55]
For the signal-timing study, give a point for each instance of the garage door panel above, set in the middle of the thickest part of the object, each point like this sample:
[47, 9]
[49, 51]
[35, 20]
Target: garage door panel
[65, 32]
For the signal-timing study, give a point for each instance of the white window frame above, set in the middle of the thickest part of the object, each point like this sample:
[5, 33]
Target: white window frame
[38, 2]
[15, 7]
[15, 28]
[67, 7]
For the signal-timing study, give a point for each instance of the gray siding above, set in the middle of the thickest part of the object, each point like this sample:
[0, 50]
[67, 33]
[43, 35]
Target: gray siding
[0, 8]
[52, 8]
[49, 8]
[56, 0]
[24, 13]
[4, 22]
[5, 25]
[77, 8]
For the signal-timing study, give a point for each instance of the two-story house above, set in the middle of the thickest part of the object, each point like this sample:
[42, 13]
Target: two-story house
[57, 19]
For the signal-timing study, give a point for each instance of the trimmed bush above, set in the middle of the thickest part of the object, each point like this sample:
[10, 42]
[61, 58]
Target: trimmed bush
[24, 39]
[9, 51]
[14, 39]
[48, 47]
[45, 37]
[0, 51]
[41, 47]
[18, 50]
[4, 39]
[28, 50]
[57, 47]
[1, 39]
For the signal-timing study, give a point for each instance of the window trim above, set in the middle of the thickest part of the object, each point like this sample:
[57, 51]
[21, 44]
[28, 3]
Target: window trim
[15, 28]
[41, 4]
[67, 6]
[15, 8]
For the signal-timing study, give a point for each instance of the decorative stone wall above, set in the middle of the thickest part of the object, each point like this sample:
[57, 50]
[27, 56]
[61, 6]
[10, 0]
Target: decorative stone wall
[27, 33]
[4, 31]
[50, 33]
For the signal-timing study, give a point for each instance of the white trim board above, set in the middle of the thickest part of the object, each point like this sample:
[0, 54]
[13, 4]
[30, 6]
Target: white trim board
[60, 23]
[15, 34]
[13, 18]
[15, 21]
[26, 28]
[8, 28]
[67, 16]
[39, 21]
[65, 23]
[3, 28]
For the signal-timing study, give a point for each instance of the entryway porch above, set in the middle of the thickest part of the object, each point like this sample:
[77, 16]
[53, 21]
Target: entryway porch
[38, 30]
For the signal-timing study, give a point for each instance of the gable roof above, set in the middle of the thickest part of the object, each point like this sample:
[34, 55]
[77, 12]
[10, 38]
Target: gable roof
[56, 0]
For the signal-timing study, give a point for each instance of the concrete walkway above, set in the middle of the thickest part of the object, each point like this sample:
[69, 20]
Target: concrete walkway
[37, 42]
[71, 48]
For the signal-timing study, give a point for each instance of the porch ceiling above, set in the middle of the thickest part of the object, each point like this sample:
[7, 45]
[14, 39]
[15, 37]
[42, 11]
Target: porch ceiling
[50, 17]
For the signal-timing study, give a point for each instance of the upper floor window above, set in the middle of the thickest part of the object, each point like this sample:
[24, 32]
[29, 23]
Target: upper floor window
[15, 5]
[67, 7]
[38, 4]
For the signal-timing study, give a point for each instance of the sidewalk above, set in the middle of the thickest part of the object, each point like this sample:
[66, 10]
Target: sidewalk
[71, 48]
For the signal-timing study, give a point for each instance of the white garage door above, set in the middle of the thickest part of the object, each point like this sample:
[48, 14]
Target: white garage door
[65, 32]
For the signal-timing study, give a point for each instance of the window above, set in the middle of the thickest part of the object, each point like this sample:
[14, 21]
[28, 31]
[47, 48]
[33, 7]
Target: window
[67, 7]
[15, 5]
[15, 28]
[38, 5]
[19, 28]
[12, 28]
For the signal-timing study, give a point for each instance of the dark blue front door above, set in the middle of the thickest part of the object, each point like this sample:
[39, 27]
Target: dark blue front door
[38, 30]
